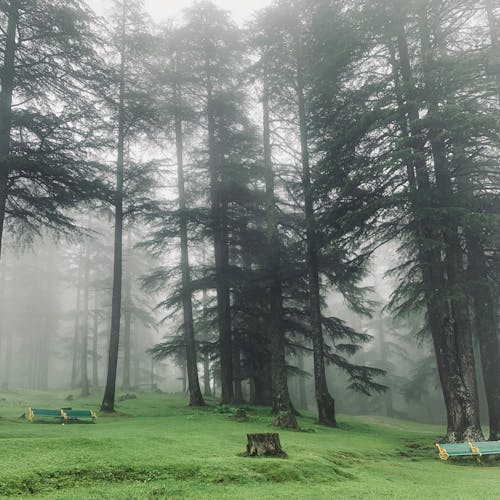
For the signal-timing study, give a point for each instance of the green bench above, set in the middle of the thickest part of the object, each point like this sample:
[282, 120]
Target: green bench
[44, 413]
[64, 414]
[471, 449]
[78, 414]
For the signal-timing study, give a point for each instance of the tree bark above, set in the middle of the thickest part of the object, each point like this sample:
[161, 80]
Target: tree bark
[282, 405]
[195, 396]
[6, 92]
[108, 403]
[325, 402]
[267, 444]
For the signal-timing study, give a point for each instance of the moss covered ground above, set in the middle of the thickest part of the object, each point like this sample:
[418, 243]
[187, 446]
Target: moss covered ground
[156, 447]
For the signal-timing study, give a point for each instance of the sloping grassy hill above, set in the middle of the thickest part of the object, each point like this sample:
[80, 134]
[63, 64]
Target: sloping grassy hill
[156, 447]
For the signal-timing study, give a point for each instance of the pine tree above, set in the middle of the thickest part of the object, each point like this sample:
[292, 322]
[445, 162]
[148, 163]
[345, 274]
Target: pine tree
[44, 165]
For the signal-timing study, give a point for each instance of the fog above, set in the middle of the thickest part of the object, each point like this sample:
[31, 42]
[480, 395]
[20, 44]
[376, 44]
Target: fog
[285, 204]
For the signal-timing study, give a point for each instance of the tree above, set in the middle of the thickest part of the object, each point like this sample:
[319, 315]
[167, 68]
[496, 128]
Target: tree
[44, 166]
[172, 80]
[131, 109]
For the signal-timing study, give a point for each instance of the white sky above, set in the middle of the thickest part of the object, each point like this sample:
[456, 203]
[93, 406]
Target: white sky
[161, 10]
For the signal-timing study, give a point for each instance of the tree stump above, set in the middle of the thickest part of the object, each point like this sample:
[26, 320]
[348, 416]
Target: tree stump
[265, 444]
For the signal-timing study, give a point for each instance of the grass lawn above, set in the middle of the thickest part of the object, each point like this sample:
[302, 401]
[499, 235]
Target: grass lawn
[156, 447]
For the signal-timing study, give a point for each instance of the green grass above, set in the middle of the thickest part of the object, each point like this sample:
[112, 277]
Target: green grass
[156, 447]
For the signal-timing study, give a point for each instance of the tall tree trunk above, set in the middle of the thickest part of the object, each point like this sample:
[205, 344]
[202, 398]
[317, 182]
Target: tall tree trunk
[127, 317]
[220, 250]
[85, 323]
[195, 396]
[282, 405]
[95, 337]
[325, 402]
[7, 89]
[108, 402]
[429, 256]
[454, 257]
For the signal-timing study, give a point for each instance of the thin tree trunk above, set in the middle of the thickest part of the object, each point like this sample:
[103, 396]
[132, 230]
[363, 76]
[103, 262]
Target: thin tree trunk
[85, 324]
[108, 403]
[325, 402]
[8, 360]
[195, 396]
[7, 89]
[76, 333]
[383, 349]
[152, 373]
[206, 377]
[206, 358]
[95, 336]
[282, 405]
[220, 251]
[127, 317]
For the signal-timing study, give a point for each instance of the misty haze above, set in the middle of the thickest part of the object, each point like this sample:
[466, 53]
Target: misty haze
[250, 249]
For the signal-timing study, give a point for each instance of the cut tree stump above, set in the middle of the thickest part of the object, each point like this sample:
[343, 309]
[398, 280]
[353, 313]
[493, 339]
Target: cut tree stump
[265, 444]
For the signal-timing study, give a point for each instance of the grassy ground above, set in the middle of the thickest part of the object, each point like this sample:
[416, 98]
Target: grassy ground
[156, 447]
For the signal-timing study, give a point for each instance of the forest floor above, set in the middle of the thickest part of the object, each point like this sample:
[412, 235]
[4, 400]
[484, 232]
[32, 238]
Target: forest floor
[156, 447]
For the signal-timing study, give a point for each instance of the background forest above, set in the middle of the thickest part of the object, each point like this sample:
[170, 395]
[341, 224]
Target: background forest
[300, 213]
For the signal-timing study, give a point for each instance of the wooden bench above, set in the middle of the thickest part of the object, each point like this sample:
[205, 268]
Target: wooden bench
[471, 449]
[45, 413]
